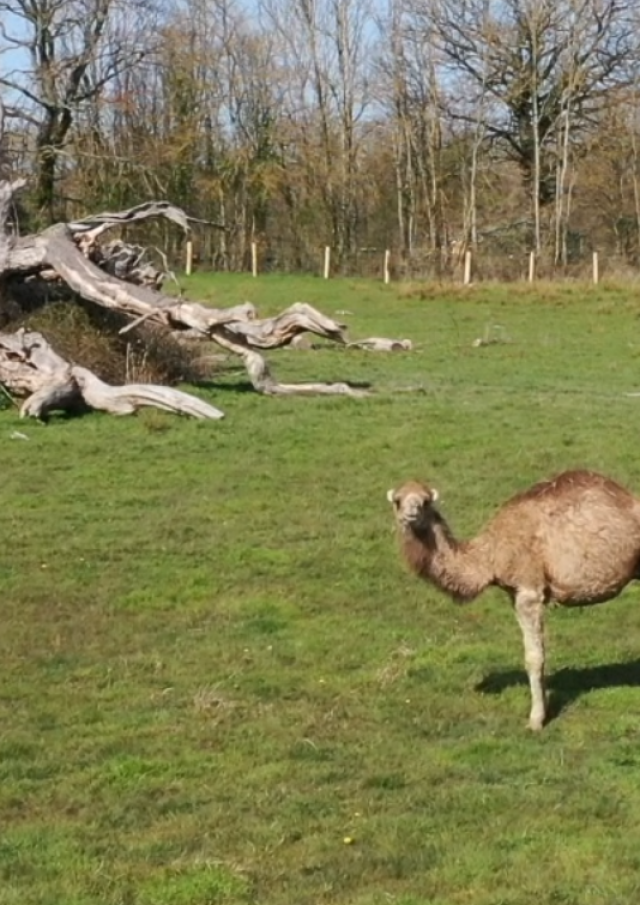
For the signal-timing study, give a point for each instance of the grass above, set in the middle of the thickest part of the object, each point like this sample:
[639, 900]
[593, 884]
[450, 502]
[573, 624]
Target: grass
[219, 685]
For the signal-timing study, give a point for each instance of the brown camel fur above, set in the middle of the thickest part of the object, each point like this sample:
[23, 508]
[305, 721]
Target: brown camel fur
[572, 540]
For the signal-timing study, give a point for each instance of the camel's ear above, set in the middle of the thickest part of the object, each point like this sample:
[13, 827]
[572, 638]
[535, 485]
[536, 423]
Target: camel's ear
[434, 495]
[391, 496]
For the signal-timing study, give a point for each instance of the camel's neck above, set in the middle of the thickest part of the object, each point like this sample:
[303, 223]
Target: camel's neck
[460, 568]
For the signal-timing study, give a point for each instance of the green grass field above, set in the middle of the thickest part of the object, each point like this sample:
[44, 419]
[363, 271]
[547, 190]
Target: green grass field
[219, 685]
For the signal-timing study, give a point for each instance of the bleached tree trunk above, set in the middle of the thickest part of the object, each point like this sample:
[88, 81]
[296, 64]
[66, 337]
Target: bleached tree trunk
[470, 211]
[411, 85]
[563, 188]
[395, 70]
[325, 47]
[405, 199]
[535, 129]
[635, 156]
[435, 147]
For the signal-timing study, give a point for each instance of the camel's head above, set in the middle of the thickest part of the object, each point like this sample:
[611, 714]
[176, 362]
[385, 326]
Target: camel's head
[413, 504]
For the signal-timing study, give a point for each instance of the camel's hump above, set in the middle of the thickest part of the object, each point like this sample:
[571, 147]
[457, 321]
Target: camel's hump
[574, 483]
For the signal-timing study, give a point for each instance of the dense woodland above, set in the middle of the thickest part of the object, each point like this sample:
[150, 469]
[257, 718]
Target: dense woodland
[422, 126]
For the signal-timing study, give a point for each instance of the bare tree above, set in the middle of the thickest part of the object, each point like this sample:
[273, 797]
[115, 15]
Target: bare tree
[634, 129]
[325, 49]
[64, 53]
[411, 86]
[537, 71]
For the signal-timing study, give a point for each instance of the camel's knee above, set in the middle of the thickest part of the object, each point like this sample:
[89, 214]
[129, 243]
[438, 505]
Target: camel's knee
[534, 662]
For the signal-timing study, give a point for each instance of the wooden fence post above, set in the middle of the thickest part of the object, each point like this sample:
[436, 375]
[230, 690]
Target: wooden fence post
[596, 272]
[327, 261]
[254, 258]
[467, 268]
[189, 262]
[532, 266]
[387, 258]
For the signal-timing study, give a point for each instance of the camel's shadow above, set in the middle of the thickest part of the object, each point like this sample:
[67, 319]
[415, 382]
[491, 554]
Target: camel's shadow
[566, 685]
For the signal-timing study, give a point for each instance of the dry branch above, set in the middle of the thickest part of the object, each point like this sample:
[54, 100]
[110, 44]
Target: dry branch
[278, 331]
[263, 380]
[92, 227]
[120, 259]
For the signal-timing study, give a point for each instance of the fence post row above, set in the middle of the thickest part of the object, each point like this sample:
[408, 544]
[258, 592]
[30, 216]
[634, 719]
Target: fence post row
[386, 267]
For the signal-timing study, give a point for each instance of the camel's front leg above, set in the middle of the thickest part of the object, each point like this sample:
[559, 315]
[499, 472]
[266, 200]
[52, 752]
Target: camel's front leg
[529, 608]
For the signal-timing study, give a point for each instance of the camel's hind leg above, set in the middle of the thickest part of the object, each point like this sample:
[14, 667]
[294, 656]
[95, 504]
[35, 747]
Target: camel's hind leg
[529, 609]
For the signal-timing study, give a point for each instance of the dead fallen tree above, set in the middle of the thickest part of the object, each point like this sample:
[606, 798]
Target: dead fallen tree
[66, 250]
[116, 277]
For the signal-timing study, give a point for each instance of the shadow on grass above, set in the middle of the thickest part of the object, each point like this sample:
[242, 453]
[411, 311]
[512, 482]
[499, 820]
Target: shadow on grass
[243, 386]
[239, 386]
[568, 684]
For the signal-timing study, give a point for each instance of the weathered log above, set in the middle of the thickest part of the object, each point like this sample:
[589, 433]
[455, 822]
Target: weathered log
[382, 344]
[127, 399]
[55, 249]
[28, 365]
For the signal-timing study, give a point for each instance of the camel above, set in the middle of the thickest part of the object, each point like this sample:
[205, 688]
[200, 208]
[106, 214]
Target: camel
[573, 540]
